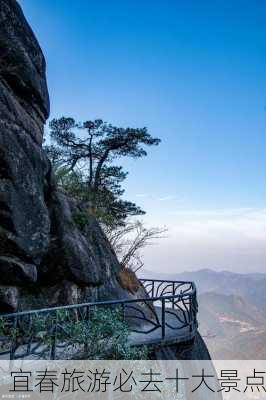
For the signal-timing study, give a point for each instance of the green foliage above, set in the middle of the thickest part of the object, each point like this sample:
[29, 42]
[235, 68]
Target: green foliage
[83, 157]
[72, 182]
[80, 217]
[104, 335]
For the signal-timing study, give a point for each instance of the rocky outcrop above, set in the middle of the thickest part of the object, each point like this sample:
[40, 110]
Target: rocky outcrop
[44, 258]
[73, 250]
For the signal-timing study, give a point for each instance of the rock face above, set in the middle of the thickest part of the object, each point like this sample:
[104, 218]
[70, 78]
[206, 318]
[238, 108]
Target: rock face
[195, 349]
[44, 258]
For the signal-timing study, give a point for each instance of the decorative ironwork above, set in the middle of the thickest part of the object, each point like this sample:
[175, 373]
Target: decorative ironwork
[170, 306]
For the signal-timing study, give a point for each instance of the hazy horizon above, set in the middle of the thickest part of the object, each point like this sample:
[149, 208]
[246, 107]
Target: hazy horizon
[145, 272]
[232, 240]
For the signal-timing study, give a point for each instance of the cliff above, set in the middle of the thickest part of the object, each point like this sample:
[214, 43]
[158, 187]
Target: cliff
[45, 259]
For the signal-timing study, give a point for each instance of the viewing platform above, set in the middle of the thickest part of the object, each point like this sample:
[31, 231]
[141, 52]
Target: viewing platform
[167, 315]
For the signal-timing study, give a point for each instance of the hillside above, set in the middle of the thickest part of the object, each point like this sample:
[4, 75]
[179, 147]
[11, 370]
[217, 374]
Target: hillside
[232, 328]
[232, 312]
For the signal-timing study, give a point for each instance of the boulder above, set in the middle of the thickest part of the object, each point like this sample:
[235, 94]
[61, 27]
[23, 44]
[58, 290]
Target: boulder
[9, 299]
[13, 271]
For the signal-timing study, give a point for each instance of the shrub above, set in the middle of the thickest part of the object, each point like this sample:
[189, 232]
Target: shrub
[104, 335]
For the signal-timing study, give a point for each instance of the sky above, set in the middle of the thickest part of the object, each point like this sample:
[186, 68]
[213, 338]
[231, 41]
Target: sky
[193, 73]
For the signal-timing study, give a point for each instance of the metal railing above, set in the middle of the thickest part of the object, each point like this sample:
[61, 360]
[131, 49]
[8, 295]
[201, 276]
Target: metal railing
[168, 306]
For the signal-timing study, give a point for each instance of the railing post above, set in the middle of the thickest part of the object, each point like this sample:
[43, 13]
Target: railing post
[191, 313]
[54, 330]
[195, 308]
[173, 299]
[14, 339]
[87, 313]
[163, 318]
[86, 347]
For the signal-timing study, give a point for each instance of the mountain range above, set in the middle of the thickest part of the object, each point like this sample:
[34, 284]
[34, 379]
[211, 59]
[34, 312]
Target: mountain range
[232, 311]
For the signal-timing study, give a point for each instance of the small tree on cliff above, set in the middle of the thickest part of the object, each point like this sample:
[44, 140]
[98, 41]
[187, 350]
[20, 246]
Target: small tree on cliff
[83, 155]
[128, 242]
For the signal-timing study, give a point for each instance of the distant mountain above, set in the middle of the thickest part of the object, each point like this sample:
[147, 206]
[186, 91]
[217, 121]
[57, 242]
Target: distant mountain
[248, 286]
[231, 327]
[232, 311]
[247, 346]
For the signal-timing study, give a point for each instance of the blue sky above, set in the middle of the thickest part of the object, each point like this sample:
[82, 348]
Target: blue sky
[194, 73]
